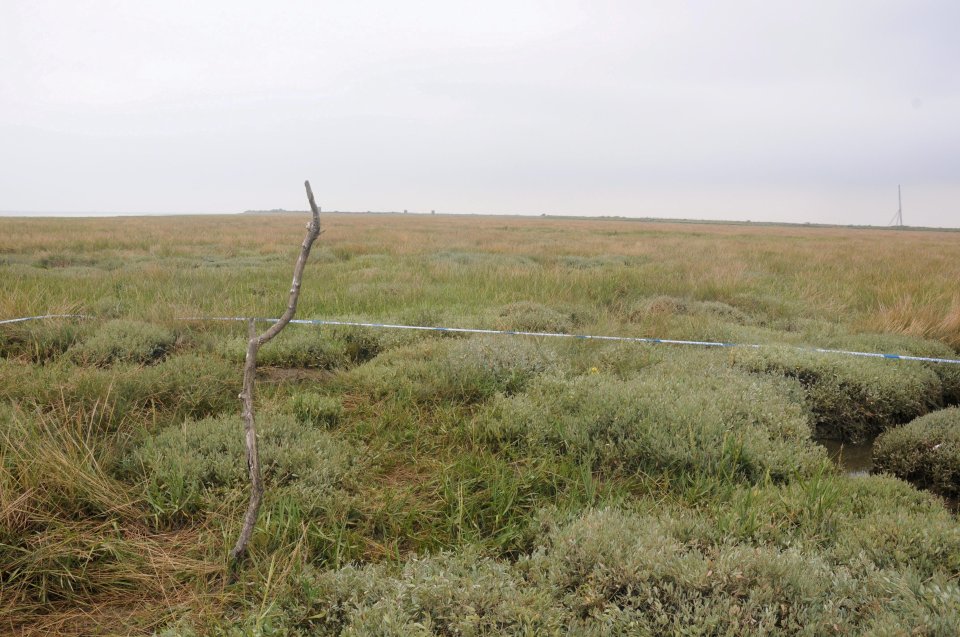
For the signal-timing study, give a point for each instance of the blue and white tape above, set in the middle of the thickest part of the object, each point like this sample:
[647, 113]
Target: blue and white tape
[44, 316]
[628, 339]
[471, 330]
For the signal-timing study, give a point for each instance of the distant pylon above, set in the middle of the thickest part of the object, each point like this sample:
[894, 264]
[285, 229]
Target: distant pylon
[898, 218]
[899, 208]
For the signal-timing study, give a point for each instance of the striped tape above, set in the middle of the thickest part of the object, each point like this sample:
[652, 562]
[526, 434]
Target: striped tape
[628, 339]
[469, 330]
[44, 316]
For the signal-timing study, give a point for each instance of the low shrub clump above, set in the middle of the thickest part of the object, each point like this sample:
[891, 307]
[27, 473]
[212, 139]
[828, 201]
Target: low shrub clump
[364, 343]
[925, 452]
[39, 341]
[620, 359]
[124, 341]
[873, 522]
[442, 595]
[624, 573]
[526, 316]
[949, 374]
[612, 572]
[183, 386]
[185, 464]
[294, 348]
[674, 419]
[64, 260]
[852, 399]
[456, 370]
[458, 259]
[314, 347]
[666, 306]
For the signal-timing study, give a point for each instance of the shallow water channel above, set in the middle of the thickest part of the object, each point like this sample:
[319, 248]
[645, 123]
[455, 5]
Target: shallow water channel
[854, 459]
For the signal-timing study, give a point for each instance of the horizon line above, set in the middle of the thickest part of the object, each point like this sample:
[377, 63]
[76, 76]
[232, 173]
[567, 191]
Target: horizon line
[93, 214]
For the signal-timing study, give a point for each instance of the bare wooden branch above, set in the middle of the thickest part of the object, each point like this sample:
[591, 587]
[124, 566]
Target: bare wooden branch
[254, 342]
[250, 434]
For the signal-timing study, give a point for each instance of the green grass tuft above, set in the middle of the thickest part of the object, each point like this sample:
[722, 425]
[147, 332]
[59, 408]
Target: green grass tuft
[316, 409]
[40, 341]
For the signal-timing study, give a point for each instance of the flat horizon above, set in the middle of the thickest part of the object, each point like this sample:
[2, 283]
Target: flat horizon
[18, 214]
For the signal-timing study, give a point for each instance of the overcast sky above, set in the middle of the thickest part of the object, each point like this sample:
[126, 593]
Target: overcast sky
[762, 110]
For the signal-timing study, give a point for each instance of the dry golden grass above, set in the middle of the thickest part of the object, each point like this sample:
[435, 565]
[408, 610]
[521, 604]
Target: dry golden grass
[159, 585]
[870, 279]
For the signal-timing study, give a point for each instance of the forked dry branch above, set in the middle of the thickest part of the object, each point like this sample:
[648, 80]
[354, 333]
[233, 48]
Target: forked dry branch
[254, 343]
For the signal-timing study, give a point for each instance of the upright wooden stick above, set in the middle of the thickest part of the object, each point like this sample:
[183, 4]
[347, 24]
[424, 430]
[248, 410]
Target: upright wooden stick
[254, 343]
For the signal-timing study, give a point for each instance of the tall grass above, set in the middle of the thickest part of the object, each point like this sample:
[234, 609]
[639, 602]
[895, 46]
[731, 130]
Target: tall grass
[73, 538]
[186, 266]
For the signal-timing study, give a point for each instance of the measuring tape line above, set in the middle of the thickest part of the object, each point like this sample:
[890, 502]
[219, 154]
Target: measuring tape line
[629, 339]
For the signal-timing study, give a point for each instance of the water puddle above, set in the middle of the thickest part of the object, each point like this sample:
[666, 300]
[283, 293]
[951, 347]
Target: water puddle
[856, 460]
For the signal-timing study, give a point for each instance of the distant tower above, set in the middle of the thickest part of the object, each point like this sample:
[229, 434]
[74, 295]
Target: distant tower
[898, 218]
[899, 208]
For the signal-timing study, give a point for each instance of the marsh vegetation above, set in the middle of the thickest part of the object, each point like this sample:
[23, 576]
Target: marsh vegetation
[425, 483]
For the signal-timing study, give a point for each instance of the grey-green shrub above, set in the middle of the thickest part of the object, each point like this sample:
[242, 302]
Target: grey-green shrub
[184, 462]
[875, 521]
[625, 573]
[457, 259]
[456, 370]
[447, 594]
[365, 343]
[297, 347]
[948, 374]
[183, 386]
[925, 452]
[612, 572]
[528, 316]
[620, 359]
[673, 306]
[339, 345]
[316, 409]
[918, 606]
[688, 417]
[124, 341]
[852, 399]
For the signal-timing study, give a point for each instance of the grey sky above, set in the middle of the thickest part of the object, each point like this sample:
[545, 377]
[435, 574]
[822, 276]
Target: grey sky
[760, 110]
